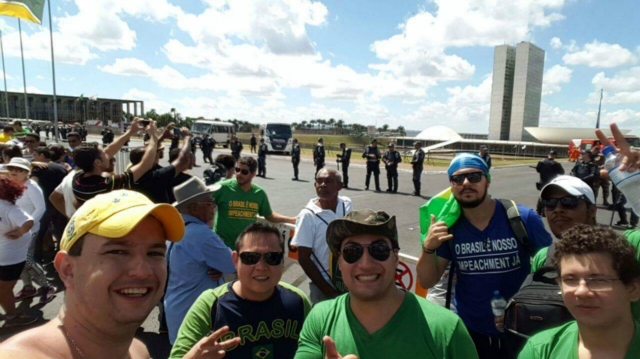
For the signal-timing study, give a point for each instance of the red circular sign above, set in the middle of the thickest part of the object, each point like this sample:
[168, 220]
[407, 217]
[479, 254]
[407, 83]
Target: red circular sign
[404, 277]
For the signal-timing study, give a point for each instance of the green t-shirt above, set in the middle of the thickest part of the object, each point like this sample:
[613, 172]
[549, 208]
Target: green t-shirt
[562, 342]
[632, 235]
[419, 329]
[237, 209]
[268, 329]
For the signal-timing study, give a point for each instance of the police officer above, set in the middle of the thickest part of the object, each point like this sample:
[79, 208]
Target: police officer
[417, 163]
[236, 148]
[318, 156]
[344, 158]
[391, 159]
[548, 169]
[486, 157]
[295, 158]
[262, 159]
[195, 142]
[372, 154]
[253, 143]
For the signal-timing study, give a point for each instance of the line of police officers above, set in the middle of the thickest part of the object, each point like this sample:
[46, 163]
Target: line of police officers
[371, 153]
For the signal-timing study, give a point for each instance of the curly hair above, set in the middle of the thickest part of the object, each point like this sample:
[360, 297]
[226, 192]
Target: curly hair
[583, 239]
[10, 190]
[85, 155]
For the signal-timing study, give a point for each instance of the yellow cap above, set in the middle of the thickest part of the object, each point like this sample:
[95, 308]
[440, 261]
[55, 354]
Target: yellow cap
[115, 214]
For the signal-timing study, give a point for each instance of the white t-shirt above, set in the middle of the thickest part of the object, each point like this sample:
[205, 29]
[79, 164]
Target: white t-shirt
[66, 188]
[32, 202]
[12, 251]
[311, 230]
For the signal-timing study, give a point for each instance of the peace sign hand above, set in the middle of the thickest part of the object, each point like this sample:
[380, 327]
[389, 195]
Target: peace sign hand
[631, 159]
[210, 348]
[332, 352]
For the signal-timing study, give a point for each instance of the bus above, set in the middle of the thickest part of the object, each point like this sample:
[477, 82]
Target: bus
[221, 132]
[277, 136]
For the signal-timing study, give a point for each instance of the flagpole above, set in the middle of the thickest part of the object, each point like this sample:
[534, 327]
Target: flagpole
[24, 77]
[599, 108]
[53, 70]
[4, 73]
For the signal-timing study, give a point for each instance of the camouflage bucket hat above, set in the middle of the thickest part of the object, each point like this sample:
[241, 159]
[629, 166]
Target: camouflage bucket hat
[365, 221]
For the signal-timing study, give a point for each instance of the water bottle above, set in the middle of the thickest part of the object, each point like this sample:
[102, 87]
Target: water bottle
[627, 182]
[498, 305]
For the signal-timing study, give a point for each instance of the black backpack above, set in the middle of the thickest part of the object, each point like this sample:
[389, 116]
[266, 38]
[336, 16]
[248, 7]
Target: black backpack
[537, 306]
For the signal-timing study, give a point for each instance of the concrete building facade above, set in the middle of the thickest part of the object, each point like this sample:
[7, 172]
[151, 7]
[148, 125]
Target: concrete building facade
[70, 108]
[516, 91]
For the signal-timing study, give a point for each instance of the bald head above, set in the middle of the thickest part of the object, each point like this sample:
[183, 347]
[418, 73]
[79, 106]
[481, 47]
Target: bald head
[330, 172]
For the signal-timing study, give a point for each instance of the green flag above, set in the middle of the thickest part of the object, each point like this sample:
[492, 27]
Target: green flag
[444, 206]
[30, 10]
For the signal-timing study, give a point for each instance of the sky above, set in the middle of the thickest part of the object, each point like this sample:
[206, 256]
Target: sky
[403, 63]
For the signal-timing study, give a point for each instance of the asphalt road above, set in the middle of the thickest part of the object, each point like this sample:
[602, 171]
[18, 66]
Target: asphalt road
[289, 197]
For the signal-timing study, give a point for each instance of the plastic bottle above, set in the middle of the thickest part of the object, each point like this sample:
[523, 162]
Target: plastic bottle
[627, 182]
[498, 305]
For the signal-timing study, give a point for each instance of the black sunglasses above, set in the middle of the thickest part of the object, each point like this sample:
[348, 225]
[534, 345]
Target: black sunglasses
[252, 258]
[379, 251]
[473, 177]
[569, 202]
[244, 172]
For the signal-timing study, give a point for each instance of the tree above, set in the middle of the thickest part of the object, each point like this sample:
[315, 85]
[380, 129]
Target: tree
[401, 131]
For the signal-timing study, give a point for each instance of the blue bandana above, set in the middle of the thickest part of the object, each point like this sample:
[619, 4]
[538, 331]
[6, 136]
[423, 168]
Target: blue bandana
[467, 160]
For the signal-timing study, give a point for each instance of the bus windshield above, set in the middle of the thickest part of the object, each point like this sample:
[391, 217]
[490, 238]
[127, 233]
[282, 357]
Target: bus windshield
[278, 131]
[200, 128]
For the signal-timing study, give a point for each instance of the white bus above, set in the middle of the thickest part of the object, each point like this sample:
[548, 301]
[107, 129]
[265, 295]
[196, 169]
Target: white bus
[277, 136]
[220, 131]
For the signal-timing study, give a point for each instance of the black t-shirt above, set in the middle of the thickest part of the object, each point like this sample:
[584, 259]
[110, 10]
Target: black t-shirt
[178, 180]
[156, 183]
[48, 179]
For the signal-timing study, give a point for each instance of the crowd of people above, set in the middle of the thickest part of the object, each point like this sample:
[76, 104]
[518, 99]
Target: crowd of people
[159, 236]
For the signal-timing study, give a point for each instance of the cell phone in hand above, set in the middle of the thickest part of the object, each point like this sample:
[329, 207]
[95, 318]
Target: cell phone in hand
[176, 131]
[145, 122]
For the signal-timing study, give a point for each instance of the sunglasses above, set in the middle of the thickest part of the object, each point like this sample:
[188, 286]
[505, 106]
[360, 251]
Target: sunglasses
[473, 177]
[252, 258]
[569, 202]
[244, 172]
[379, 251]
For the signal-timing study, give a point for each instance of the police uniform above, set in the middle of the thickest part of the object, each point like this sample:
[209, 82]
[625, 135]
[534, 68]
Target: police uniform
[417, 163]
[372, 154]
[236, 149]
[318, 156]
[391, 160]
[345, 159]
[295, 159]
[262, 160]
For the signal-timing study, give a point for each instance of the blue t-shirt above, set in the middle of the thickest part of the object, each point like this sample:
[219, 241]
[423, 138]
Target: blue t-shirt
[490, 260]
[189, 260]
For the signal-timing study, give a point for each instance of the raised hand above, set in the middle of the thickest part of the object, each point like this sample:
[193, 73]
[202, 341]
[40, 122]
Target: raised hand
[631, 159]
[210, 347]
[332, 352]
[438, 234]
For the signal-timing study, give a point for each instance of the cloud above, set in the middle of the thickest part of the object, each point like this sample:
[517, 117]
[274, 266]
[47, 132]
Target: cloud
[555, 43]
[551, 116]
[135, 94]
[555, 76]
[600, 54]
[622, 88]
[466, 110]
[30, 89]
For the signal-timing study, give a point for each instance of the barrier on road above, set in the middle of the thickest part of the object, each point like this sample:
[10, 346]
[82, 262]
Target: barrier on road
[406, 274]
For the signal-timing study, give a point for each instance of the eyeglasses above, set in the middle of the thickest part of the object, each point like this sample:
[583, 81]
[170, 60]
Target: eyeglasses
[568, 202]
[379, 251]
[244, 172]
[252, 258]
[473, 177]
[594, 284]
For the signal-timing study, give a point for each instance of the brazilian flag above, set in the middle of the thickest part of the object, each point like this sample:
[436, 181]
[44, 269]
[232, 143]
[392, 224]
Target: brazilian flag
[30, 10]
[444, 206]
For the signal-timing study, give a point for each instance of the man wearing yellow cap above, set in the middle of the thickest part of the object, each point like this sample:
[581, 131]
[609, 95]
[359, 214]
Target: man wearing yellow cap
[112, 262]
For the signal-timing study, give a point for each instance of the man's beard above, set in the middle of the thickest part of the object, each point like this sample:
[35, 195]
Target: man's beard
[473, 203]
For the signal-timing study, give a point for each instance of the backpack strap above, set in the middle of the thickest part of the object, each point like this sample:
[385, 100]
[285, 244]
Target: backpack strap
[312, 253]
[516, 223]
[548, 261]
[452, 271]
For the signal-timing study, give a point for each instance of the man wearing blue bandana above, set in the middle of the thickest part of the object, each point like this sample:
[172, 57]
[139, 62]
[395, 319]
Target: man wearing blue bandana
[474, 232]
